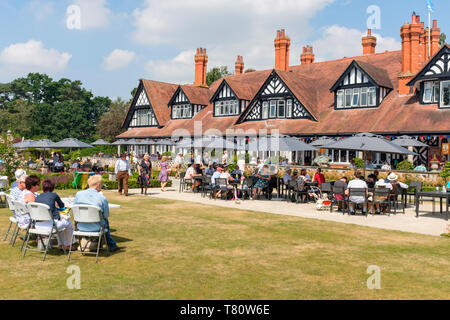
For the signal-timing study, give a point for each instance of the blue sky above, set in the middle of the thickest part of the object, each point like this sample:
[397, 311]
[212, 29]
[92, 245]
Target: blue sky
[121, 41]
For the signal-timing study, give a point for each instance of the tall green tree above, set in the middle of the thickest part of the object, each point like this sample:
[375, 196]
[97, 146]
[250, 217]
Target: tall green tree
[216, 73]
[110, 124]
[442, 40]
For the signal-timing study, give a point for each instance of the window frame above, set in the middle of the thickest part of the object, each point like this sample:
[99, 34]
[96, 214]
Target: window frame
[441, 94]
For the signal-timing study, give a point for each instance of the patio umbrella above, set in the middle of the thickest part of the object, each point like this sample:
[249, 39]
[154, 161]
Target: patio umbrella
[218, 143]
[275, 144]
[42, 144]
[130, 142]
[72, 144]
[323, 141]
[101, 142]
[405, 141]
[367, 142]
[23, 145]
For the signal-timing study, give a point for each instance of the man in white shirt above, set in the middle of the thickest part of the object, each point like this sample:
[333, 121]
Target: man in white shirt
[358, 183]
[123, 173]
[178, 164]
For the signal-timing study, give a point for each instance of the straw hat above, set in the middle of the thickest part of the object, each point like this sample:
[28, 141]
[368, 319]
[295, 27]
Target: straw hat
[392, 177]
[380, 183]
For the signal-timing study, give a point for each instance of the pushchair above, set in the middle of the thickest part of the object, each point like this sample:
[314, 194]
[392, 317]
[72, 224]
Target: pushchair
[322, 201]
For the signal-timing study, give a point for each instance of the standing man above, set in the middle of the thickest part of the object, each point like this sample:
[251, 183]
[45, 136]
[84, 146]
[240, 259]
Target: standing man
[123, 173]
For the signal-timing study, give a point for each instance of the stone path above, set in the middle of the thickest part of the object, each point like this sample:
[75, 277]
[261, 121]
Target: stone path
[427, 223]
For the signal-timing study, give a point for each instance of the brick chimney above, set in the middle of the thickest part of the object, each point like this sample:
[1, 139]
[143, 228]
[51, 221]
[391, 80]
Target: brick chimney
[369, 43]
[435, 36]
[239, 65]
[282, 45]
[412, 52]
[201, 62]
[307, 56]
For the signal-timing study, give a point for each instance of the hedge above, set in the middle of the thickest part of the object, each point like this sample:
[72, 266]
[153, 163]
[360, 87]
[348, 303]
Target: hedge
[132, 184]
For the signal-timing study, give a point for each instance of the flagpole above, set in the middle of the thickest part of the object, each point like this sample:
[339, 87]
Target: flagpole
[429, 33]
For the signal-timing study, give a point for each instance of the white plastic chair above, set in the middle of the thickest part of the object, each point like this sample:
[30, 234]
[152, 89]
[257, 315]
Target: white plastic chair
[88, 214]
[20, 209]
[12, 218]
[41, 213]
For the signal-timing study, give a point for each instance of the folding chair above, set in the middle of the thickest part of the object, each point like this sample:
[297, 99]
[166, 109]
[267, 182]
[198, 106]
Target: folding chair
[222, 186]
[358, 192]
[206, 186]
[12, 218]
[88, 214]
[3, 187]
[327, 188]
[41, 213]
[20, 209]
[414, 188]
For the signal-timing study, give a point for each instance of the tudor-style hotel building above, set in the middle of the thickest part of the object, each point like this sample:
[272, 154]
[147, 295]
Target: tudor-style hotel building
[390, 93]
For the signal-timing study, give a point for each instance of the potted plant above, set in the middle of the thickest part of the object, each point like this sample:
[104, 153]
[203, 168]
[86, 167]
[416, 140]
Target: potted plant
[434, 163]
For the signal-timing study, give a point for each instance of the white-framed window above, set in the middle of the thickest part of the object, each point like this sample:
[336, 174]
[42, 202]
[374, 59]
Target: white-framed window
[182, 111]
[431, 92]
[348, 98]
[355, 98]
[372, 97]
[340, 99]
[289, 108]
[363, 99]
[218, 108]
[226, 108]
[281, 109]
[445, 94]
[265, 110]
[273, 109]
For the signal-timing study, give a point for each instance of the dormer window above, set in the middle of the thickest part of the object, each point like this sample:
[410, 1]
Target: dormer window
[356, 88]
[275, 101]
[225, 102]
[431, 92]
[181, 107]
[141, 113]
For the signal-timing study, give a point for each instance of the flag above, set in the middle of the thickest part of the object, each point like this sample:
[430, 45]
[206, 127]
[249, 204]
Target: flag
[430, 6]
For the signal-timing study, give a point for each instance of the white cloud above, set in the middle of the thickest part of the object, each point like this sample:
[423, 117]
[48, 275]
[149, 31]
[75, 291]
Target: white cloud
[339, 41]
[22, 58]
[41, 10]
[94, 14]
[118, 59]
[227, 28]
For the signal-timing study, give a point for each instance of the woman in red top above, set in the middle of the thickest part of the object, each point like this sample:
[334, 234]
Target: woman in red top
[319, 177]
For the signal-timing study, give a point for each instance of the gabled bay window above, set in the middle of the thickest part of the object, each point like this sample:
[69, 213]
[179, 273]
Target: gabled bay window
[277, 109]
[143, 118]
[356, 97]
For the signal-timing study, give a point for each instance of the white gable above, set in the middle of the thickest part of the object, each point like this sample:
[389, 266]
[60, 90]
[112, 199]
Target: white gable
[181, 97]
[275, 87]
[142, 100]
[441, 66]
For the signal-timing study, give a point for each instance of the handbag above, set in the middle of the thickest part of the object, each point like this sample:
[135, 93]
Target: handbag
[87, 245]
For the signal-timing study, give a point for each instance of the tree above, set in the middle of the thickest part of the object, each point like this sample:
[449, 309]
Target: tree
[17, 118]
[9, 160]
[442, 40]
[216, 73]
[110, 124]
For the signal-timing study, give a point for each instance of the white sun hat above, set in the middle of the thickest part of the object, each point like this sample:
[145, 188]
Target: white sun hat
[392, 177]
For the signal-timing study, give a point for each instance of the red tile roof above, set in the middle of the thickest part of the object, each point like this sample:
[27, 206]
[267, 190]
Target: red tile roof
[311, 84]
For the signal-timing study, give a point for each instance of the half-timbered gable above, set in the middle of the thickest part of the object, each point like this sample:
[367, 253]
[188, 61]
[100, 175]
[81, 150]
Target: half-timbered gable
[434, 80]
[275, 101]
[361, 86]
[225, 101]
[181, 107]
[141, 113]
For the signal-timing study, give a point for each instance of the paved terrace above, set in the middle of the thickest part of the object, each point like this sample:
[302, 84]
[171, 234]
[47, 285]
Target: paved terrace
[427, 223]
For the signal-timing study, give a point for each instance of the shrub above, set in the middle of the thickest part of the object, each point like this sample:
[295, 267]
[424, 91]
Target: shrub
[132, 184]
[405, 166]
[446, 172]
[359, 163]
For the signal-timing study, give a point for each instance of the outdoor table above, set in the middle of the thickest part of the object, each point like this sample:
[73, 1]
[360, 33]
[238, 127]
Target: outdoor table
[434, 194]
[69, 203]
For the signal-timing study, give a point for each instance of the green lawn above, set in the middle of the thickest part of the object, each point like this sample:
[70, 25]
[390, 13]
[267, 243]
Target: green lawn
[179, 250]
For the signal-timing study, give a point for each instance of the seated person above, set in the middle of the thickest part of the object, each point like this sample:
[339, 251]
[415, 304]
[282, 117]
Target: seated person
[358, 183]
[51, 199]
[319, 177]
[305, 174]
[87, 166]
[94, 197]
[76, 165]
[420, 168]
[262, 182]
[287, 177]
[210, 170]
[59, 165]
[18, 174]
[392, 179]
[380, 184]
[237, 173]
[301, 185]
[371, 181]
[191, 173]
[386, 167]
[341, 183]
